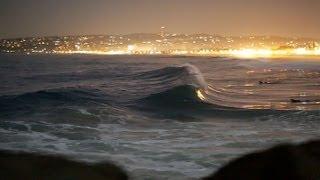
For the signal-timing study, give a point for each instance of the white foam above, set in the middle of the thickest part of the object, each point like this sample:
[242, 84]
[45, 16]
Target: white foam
[196, 75]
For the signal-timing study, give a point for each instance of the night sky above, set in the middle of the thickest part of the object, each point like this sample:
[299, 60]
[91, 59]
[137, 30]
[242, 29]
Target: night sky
[21, 18]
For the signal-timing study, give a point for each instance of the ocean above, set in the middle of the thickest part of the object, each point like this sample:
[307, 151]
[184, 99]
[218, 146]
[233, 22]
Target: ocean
[158, 117]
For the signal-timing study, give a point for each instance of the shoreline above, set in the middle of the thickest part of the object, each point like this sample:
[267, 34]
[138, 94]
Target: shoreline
[291, 57]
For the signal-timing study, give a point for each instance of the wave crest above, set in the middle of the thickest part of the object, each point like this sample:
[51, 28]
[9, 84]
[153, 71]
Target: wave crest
[185, 74]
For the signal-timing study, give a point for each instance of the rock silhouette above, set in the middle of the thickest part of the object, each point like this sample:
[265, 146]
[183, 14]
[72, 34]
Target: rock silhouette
[30, 166]
[283, 162]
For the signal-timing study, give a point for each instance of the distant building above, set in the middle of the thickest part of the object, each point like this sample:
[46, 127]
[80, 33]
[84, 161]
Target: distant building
[163, 31]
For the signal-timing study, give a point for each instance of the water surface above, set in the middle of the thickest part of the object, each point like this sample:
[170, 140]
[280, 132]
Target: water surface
[158, 117]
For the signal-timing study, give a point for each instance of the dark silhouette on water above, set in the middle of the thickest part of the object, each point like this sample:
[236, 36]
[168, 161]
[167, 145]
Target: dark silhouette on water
[300, 101]
[283, 162]
[270, 82]
[265, 82]
[30, 166]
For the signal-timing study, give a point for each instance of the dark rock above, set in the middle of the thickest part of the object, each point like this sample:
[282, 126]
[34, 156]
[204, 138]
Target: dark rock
[284, 162]
[31, 166]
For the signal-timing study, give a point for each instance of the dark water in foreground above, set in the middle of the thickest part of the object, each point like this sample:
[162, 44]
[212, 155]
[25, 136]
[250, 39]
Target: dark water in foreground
[158, 117]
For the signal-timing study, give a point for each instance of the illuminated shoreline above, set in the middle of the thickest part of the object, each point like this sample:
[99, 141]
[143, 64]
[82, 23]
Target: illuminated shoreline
[166, 44]
[238, 53]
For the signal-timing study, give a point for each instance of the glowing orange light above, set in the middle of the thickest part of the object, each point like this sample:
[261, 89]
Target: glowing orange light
[251, 53]
[200, 95]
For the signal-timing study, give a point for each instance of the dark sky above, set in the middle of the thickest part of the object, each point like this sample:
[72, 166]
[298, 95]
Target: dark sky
[21, 18]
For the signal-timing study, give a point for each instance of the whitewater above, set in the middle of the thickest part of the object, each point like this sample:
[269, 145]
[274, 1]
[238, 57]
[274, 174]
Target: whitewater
[158, 117]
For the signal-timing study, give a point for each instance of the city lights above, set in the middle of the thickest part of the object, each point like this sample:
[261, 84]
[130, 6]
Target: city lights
[251, 53]
[165, 43]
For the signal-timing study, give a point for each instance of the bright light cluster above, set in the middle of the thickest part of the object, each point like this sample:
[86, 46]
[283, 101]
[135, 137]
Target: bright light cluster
[251, 53]
[200, 95]
[240, 53]
[256, 53]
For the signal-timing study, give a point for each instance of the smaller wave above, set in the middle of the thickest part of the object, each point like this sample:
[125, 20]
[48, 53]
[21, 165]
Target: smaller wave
[63, 94]
[50, 98]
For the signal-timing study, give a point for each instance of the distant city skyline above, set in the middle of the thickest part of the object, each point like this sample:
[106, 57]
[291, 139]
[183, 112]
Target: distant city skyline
[165, 44]
[288, 18]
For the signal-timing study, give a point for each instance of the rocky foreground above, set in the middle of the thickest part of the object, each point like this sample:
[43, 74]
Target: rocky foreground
[283, 162]
[30, 166]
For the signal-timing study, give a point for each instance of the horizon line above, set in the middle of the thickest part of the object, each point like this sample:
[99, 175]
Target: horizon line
[154, 33]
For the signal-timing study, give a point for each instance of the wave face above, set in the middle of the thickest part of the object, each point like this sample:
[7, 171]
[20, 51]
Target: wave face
[180, 94]
[159, 117]
[175, 85]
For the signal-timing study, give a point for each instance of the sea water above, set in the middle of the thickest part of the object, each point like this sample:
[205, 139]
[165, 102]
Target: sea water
[158, 117]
